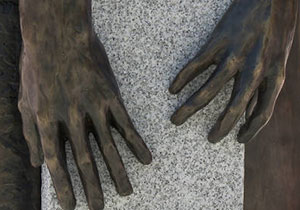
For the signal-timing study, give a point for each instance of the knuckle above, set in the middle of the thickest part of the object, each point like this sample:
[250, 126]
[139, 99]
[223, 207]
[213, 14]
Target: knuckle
[280, 79]
[44, 119]
[84, 162]
[51, 159]
[108, 149]
[52, 156]
[232, 110]
[264, 118]
[41, 118]
[231, 64]
[75, 114]
[22, 106]
[131, 135]
[28, 134]
[35, 162]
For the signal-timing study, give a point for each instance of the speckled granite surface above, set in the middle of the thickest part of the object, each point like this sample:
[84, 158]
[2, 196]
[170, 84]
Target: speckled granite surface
[147, 42]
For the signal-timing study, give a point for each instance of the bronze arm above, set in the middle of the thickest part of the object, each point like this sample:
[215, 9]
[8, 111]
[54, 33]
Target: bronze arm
[20, 183]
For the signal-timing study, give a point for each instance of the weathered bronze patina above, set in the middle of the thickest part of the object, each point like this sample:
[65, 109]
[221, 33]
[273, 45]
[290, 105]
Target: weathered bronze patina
[19, 181]
[250, 44]
[68, 89]
[272, 159]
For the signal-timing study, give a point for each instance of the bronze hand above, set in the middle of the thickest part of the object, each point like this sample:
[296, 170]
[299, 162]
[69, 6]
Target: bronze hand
[67, 88]
[251, 43]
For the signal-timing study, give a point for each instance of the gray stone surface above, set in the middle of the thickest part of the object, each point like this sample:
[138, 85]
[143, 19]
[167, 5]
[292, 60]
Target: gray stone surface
[148, 42]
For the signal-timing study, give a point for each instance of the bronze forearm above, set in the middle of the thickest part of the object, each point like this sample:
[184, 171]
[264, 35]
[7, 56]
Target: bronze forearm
[19, 181]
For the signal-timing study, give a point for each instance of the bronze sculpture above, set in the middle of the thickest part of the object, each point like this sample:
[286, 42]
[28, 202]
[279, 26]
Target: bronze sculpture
[41, 102]
[67, 90]
[19, 181]
[272, 159]
[250, 44]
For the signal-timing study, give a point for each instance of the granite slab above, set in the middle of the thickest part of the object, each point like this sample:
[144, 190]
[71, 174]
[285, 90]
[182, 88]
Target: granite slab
[148, 42]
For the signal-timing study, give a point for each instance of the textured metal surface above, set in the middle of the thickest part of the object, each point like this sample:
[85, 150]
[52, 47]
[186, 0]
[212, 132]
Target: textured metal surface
[68, 90]
[272, 159]
[250, 44]
[19, 181]
[147, 43]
